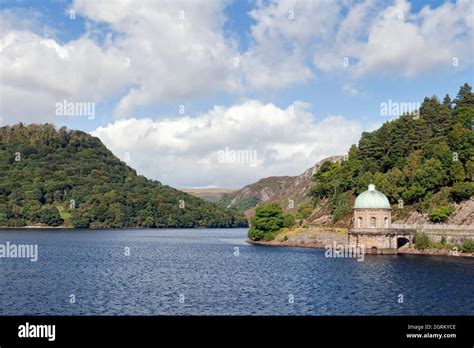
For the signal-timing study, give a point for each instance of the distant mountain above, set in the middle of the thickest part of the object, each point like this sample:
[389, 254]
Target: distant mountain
[69, 178]
[209, 194]
[288, 191]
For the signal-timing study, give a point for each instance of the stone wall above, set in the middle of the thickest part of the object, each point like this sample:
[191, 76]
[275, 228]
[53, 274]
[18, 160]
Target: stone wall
[362, 218]
[452, 233]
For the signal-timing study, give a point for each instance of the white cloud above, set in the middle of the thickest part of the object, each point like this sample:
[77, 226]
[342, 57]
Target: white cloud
[184, 151]
[37, 72]
[282, 38]
[394, 41]
[351, 90]
[158, 52]
[177, 49]
[376, 38]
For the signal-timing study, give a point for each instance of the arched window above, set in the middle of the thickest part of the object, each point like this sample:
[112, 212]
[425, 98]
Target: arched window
[386, 222]
[373, 222]
[359, 222]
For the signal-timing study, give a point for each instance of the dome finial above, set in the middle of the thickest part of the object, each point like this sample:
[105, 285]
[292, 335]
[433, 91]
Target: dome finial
[371, 187]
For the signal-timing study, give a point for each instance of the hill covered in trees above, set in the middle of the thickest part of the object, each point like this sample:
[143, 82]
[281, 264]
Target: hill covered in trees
[63, 177]
[424, 160]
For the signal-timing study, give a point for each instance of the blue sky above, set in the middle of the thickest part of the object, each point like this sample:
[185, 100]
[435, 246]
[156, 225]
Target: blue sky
[184, 54]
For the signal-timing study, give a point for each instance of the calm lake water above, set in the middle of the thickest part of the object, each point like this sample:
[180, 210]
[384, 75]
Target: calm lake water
[200, 272]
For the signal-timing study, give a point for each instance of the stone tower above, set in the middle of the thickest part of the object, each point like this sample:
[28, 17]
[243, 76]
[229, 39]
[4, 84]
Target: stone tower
[372, 210]
[372, 225]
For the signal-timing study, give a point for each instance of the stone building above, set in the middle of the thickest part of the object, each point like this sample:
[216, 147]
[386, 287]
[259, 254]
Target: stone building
[372, 225]
[372, 210]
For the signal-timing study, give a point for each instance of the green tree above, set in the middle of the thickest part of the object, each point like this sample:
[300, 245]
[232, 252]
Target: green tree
[364, 181]
[393, 184]
[447, 101]
[288, 220]
[339, 207]
[268, 220]
[430, 176]
[462, 191]
[456, 172]
[50, 216]
[464, 109]
[465, 96]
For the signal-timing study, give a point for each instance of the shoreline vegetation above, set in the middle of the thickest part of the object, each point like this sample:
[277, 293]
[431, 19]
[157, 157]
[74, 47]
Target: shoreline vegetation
[321, 237]
[70, 228]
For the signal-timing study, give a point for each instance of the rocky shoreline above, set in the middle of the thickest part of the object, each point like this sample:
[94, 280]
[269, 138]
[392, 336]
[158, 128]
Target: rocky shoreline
[408, 251]
[434, 251]
[287, 244]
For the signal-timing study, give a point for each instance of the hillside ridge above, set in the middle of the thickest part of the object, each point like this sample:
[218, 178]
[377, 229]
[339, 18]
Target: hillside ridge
[69, 178]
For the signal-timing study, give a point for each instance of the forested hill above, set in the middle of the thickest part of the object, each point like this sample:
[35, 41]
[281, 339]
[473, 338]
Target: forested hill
[63, 177]
[424, 160]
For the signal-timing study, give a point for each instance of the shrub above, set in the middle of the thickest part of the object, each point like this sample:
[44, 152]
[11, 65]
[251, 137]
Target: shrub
[422, 240]
[440, 214]
[443, 240]
[468, 246]
[269, 236]
[304, 210]
[462, 191]
[288, 221]
[80, 221]
[255, 234]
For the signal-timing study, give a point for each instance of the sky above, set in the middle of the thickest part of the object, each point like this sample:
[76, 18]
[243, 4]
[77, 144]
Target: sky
[223, 93]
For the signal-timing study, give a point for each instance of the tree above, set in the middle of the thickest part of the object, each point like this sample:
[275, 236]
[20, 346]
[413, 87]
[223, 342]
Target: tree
[430, 176]
[268, 220]
[364, 181]
[288, 220]
[462, 191]
[447, 101]
[50, 216]
[393, 184]
[461, 141]
[456, 172]
[339, 207]
[470, 169]
[437, 116]
[414, 194]
[465, 96]
[439, 149]
[464, 109]
[327, 180]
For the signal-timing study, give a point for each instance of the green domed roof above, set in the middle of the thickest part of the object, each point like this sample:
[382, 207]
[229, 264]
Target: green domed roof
[371, 199]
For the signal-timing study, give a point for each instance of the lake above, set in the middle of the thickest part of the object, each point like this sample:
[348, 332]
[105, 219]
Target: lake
[215, 272]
